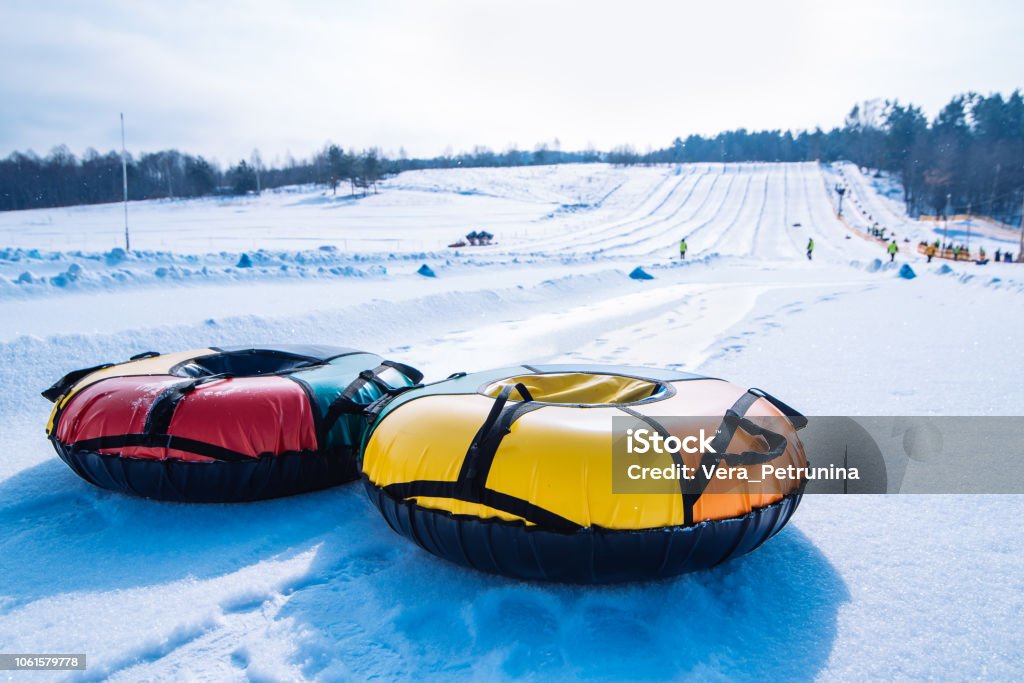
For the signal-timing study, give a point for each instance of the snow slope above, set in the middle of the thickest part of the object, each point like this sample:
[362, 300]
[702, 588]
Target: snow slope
[880, 200]
[317, 587]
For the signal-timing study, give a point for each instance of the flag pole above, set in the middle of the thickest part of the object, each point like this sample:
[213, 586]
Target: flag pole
[124, 182]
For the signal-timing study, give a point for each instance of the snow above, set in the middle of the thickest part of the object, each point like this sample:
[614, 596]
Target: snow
[317, 587]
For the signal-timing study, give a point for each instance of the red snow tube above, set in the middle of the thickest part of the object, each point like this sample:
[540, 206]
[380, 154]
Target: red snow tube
[221, 425]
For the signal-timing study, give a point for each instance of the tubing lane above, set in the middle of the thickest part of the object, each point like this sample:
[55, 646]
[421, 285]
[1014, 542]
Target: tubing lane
[630, 240]
[603, 236]
[675, 228]
[727, 192]
[589, 231]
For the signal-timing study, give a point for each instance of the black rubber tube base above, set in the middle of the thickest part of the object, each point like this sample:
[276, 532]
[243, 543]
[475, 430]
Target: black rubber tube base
[591, 555]
[270, 476]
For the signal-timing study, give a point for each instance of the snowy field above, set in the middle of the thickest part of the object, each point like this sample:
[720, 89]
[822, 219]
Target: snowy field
[318, 587]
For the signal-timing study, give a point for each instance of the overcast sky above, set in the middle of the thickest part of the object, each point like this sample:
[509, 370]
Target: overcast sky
[222, 78]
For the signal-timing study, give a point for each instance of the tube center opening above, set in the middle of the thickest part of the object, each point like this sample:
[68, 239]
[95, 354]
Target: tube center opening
[580, 388]
[247, 363]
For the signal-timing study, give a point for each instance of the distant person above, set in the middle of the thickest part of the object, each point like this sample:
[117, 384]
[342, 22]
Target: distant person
[682, 249]
[810, 248]
[893, 248]
[998, 255]
[981, 253]
[956, 253]
[930, 252]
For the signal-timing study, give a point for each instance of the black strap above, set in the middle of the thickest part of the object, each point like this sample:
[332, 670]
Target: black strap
[61, 386]
[471, 485]
[528, 511]
[734, 419]
[346, 405]
[468, 473]
[370, 377]
[168, 441]
[372, 411]
[677, 458]
[496, 410]
[373, 377]
[480, 455]
[777, 445]
[719, 444]
[492, 416]
[692, 491]
[489, 497]
[796, 418]
[414, 375]
[158, 419]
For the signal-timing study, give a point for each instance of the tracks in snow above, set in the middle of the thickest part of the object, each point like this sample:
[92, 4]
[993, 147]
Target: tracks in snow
[744, 210]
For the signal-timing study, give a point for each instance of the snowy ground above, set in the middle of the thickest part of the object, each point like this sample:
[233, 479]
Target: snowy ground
[317, 586]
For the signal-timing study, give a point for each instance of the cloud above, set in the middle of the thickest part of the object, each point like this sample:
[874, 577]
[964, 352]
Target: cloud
[223, 78]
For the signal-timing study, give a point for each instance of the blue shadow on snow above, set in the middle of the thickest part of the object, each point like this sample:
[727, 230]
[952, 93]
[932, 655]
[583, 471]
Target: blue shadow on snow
[373, 604]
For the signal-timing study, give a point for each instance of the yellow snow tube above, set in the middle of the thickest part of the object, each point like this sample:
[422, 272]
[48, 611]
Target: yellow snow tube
[511, 471]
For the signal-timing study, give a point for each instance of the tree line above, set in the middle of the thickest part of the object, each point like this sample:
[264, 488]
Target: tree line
[970, 157]
[29, 181]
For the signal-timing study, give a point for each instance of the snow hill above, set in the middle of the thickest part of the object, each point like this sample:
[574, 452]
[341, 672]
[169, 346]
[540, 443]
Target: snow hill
[317, 587]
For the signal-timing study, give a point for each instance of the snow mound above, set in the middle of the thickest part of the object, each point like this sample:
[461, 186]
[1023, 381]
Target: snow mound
[35, 273]
[115, 256]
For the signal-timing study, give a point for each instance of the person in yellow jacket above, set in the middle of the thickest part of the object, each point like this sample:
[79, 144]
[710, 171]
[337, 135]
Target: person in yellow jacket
[930, 252]
[810, 247]
[893, 248]
[682, 249]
